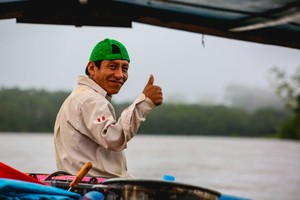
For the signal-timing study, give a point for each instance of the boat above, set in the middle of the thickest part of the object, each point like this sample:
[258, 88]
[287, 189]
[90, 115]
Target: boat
[267, 24]
[15, 184]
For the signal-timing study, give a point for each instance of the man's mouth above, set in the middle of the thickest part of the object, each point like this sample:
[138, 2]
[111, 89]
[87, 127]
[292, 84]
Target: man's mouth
[117, 82]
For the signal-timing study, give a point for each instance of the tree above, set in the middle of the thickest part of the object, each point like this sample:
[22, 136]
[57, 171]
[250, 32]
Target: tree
[288, 89]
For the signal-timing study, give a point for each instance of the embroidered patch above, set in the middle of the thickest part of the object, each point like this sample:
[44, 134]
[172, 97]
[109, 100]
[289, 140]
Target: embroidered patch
[101, 119]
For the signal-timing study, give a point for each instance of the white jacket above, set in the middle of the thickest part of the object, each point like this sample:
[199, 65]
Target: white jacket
[86, 129]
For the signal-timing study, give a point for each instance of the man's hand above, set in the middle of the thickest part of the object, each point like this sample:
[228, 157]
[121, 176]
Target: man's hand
[153, 92]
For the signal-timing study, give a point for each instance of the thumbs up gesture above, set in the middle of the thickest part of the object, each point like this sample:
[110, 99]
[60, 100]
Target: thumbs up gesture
[153, 92]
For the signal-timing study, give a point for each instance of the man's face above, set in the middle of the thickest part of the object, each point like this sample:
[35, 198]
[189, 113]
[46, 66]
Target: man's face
[112, 75]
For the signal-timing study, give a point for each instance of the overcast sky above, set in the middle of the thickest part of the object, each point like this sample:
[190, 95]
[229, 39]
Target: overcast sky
[53, 56]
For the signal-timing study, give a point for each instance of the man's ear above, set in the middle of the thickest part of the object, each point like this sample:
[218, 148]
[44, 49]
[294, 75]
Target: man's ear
[91, 68]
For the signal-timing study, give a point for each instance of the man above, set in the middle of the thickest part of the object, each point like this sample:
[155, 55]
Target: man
[86, 128]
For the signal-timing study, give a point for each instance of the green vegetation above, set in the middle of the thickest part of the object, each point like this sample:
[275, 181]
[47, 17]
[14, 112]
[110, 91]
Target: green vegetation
[212, 120]
[29, 110]
[288, 89]
[35, 111]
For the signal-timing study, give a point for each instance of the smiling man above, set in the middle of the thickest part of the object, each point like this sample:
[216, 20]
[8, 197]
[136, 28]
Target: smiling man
[86, 128]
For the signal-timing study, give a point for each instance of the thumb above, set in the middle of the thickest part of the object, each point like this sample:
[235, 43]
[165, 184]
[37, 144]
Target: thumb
[151, 80]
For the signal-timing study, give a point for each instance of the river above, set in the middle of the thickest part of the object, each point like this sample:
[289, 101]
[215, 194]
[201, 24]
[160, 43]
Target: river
[261, 169]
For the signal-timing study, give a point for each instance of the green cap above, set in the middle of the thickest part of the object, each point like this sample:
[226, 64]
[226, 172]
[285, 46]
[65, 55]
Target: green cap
[109, 49]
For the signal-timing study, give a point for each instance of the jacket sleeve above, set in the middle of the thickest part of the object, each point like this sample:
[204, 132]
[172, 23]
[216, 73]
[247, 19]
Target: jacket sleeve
[102, 126]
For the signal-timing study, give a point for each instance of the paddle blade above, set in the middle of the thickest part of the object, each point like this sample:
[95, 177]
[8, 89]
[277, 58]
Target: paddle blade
[11, 173]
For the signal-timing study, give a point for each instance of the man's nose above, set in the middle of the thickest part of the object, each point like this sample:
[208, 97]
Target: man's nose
[119, 73]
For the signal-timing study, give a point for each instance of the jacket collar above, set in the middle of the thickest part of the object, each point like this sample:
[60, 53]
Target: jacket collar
[83, 80]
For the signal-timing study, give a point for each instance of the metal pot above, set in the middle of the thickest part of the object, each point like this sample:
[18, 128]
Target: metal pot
[145, 189]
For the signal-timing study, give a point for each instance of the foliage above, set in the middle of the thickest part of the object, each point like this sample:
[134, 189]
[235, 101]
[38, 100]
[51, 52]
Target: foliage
[212, 120]
[29, 110]
[288, 89]
[35, 111]
[183, 119]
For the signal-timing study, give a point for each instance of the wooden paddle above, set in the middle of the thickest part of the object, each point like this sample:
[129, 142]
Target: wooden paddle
[80, 175]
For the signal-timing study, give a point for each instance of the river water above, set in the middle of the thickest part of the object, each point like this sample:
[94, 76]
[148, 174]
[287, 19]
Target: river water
[261, 169]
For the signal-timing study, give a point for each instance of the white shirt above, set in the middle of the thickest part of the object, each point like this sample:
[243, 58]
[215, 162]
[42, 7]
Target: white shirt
[86, 129]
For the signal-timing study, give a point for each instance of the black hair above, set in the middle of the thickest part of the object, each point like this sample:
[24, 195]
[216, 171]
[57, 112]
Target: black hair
[97, 63]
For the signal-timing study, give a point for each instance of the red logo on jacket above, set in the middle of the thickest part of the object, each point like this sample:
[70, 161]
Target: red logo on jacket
[101, 119]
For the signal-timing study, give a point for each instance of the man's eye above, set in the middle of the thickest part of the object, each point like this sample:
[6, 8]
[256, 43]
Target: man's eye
[125, 69]
[112, 66]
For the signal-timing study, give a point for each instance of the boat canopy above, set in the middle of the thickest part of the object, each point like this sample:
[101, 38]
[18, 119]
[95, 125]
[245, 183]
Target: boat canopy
[275, 22]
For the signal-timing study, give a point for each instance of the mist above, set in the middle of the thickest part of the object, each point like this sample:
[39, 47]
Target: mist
[251, 98]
